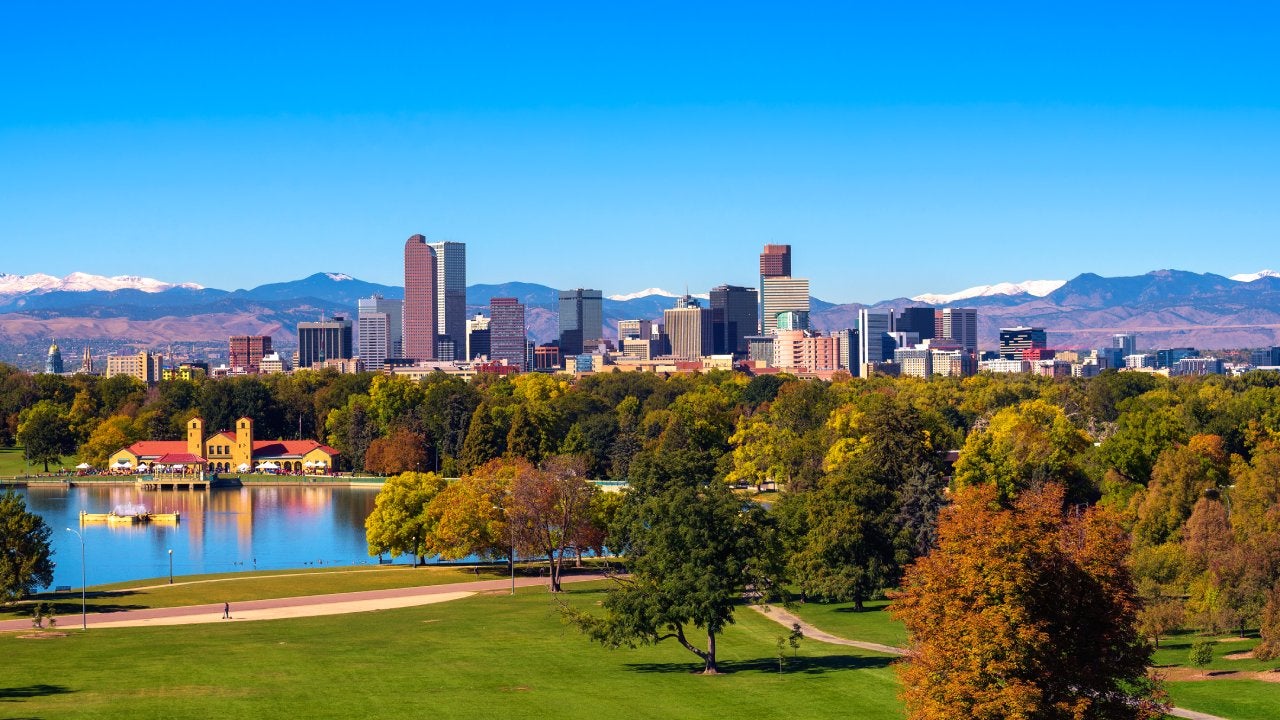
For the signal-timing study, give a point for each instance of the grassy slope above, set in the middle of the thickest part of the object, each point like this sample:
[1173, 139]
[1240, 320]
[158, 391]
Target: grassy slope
[238, 587]
[484, 657]
[873, 624]
[13, 465]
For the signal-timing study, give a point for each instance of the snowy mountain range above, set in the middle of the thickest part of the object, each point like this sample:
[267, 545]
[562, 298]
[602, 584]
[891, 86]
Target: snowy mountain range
[83, 282]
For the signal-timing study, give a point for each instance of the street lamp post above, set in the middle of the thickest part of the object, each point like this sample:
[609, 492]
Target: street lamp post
[84, 618]
[170, 566]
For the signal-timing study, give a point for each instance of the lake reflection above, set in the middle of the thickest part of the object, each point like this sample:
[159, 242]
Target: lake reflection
[221, 530]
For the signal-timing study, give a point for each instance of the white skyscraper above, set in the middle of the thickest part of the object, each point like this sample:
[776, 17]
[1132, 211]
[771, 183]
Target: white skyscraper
[380, 331]
[784, 294]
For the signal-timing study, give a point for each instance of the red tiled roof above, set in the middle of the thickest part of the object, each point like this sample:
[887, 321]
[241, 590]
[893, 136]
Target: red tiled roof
[181, 459]
[282, 448]
[223, 434]
[156, 448]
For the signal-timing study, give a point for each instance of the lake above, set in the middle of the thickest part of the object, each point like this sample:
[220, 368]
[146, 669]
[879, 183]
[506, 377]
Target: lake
[222, 530]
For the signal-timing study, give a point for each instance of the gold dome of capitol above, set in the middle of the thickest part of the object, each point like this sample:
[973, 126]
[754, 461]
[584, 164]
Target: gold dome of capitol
[53, 347]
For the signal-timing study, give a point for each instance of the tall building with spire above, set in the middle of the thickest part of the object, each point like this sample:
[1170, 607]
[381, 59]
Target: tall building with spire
[420, 315]
[53, 363]
[86, 362]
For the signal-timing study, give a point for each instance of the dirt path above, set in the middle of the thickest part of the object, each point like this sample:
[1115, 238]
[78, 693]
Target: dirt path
[293, 607]
[787, 619]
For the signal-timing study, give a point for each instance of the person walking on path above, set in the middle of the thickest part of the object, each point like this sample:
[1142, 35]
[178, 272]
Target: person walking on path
[226, 611]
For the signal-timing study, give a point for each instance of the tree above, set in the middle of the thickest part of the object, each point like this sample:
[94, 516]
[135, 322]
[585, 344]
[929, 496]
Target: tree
[25, 558]
[399, 522]
[45, 433]
[401, 452]
[1023, 446]
[691, 547]
[1179, 478]
[112, 434]
[551, 511]
[469, 516]
[1269, 648]
[1024, 611]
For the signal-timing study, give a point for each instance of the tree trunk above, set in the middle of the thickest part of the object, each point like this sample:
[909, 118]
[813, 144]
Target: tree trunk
[555, 571]
[709, 667]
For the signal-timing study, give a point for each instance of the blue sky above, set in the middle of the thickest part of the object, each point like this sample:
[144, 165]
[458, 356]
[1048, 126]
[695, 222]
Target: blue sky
[900, 148]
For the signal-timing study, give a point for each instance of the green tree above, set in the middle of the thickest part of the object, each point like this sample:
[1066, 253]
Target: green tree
[1024, 611]
[1024, 446]
[45, 433]
[469, 517]
[112, 434]
[1180, 477]
[25, 557]
[399, 522]
[691, 547]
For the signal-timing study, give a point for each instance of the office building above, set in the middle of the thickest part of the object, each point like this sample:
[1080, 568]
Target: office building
[273, 363]
[451, 298]
[780, 295]
[1169, 357]
[380, 330]
[775, 262]
[581, 320]
[919, 320]
[760, 349]
[875, 342]
[508, 339]
[634, 329]
[1197, 366]
[1015, 340]
[689, 329]
[958, 326]
[1110, 358]
[245, 353]
[324, 340]
[734, 315]
[1127, 343]
[420, 312]
[1017, 365]
[53, 361]
[914, 362]
[477, 337]
[1139, 361]
[801, 351]
[144, 366]
[1265, 357]
[953, 362]
[846, 348]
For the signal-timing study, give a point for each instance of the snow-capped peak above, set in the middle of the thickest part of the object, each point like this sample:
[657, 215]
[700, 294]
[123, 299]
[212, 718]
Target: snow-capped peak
[1250, 277]
[40, 283]
[644, 293]
[339, 277]
[1037, 288]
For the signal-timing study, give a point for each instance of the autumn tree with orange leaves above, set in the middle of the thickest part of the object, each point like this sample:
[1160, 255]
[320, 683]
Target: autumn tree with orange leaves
[1027, 610]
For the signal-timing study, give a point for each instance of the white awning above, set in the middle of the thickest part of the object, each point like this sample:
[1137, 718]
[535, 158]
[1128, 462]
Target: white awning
[83, 466]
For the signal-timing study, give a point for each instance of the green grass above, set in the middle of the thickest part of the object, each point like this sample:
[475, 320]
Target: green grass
[1234, 699]
[1175, 648]
[238, 587]
[12, 464]
[873, 624]
[489, 656]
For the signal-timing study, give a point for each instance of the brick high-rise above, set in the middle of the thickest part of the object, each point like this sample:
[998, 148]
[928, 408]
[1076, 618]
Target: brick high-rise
[420, 317]
[246, 352]
[775, 262]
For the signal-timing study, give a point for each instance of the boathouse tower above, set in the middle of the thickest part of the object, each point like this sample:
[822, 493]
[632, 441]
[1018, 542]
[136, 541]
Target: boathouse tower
[243, 452]
[195, 437]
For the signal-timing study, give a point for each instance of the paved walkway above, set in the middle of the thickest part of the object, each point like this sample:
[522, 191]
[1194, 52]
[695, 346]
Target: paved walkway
[294, 607]
[783, 617]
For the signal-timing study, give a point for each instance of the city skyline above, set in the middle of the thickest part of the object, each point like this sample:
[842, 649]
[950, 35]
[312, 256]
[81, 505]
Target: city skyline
[998, 147]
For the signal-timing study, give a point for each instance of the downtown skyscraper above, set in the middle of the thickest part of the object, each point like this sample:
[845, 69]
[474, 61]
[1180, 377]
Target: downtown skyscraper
[507, 334]
[581, 320]
[451, 298]
[380, 325]
[420, 313]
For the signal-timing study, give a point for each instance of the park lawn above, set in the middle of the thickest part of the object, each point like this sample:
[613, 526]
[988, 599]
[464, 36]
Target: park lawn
[487, 656]
[1175, 648]
[12, 464]
[238, 587]
[1234, 699]
[873, 624]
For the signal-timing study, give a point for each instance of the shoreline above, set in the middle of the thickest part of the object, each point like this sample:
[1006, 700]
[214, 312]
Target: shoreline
[70, 482]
